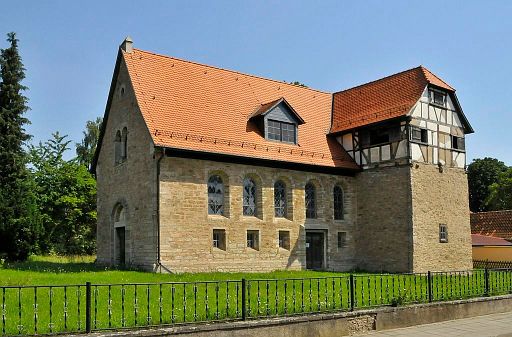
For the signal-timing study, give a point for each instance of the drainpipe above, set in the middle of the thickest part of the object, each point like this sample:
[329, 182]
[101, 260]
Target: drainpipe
[162, 155]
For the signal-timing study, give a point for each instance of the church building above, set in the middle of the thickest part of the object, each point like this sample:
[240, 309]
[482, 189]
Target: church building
[205, 169]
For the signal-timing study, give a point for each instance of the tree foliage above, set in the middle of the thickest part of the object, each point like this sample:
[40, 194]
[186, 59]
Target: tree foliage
[66, 196]
[482, 173]
[85, 150]
[500, 192]
[18, 215]
[300, 84]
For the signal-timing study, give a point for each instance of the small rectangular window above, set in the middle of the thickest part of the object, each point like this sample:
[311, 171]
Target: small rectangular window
[342, 239]
[284, 240]
[281, 131]
[253, 240]
[438, 98]
[443, 233]
[219, 239]
[458, 143]
[419, 135]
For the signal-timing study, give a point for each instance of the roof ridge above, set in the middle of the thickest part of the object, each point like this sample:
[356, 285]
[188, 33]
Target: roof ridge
[424, 69]
[231, 71]
[378, 80]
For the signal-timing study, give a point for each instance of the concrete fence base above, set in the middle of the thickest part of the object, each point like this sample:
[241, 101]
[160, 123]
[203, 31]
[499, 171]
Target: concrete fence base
[335, 324]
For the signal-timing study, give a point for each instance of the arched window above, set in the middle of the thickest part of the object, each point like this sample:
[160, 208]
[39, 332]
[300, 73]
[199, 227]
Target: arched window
[280, 199]
[124, 146]
[338, 203]
[249, 202]
[119, 216]
[117, 147]
[310, 201]
[215, 195]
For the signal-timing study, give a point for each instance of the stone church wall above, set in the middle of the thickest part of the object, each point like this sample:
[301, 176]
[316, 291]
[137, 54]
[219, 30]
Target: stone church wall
[186, 226]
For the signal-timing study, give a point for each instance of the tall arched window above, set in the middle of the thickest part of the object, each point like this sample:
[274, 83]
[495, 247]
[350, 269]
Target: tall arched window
[249, 202]
[117, 147]
[280, 199]
[310, 201]
[124, 146]
[215, 195]
[338, 202]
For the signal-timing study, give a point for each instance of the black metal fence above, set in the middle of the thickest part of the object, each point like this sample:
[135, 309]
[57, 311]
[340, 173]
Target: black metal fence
[31, 310]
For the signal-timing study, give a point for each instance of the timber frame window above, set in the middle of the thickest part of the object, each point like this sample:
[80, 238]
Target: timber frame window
[253, 239]
[437, 97]
[281, 131]
[219, 239]
[284, 240]
[279, 199]
[443, 233]
[419, 135]
[215, 195]
[310, 201]
[338, 203]
[458, 143]
[249, 197]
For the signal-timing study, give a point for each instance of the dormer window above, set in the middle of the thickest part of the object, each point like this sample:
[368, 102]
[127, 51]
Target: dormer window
[437, 97]
[281, 131]
[278, 121]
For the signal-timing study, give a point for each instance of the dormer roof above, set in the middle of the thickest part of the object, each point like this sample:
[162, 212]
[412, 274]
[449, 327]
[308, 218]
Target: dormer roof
[387, 98]
[265, 108]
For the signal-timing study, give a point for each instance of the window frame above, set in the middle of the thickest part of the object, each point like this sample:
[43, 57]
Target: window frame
[311, 205]
[283, 207]
[458, 143]
[209, 184]
[423, 135]
[340, 199]
[341, 240]
[254, 242]
[284, 242]
[246, 198]
[432, 97]
[219, 243]
[443, 233]
[279, 126]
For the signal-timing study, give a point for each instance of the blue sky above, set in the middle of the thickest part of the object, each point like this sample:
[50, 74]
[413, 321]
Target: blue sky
[69, 50]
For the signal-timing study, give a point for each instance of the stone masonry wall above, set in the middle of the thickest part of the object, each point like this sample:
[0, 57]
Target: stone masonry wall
[440, 198]
[384, 221]
[186, 227]
[131, 183]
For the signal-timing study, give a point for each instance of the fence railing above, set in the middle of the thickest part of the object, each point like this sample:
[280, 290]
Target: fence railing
[31, 310]
[483, 264]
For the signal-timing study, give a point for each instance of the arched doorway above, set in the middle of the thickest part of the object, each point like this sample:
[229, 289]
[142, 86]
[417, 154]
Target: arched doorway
[119, 235]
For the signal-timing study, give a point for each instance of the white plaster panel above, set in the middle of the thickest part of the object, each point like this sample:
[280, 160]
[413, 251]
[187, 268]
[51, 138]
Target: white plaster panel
[357, 158]
[365, 152]
[386, 152]
[436, 154]
[458, 159]
[416, 152]
[416, 111]
[415, 122]
[347, 141]
[444, 128]
[424, 95]
[434, 138]
[449, 117]
[449, 102]
[443, 116]
[432, 126]
[423, 124]
[456, 120]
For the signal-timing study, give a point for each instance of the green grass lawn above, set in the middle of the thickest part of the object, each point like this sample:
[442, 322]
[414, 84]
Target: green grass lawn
[132, 298]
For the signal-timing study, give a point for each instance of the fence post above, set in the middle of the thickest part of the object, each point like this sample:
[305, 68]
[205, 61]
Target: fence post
[429, 283]
[352, 293]
[244, 301]
[87, 307]
[486, 282]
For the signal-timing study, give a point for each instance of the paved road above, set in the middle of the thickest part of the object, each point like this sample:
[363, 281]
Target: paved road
[480, 326]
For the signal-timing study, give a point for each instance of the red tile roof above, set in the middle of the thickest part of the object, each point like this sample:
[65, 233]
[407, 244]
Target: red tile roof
[484, 240]
[387, 98]
[496, 223]
[196, 107]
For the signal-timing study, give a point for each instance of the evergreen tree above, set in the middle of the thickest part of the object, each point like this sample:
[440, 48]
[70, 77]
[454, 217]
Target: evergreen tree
[18, 213]
[85, 150]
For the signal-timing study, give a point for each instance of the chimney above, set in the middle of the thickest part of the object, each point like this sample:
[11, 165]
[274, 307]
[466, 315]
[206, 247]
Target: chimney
[127, 45]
